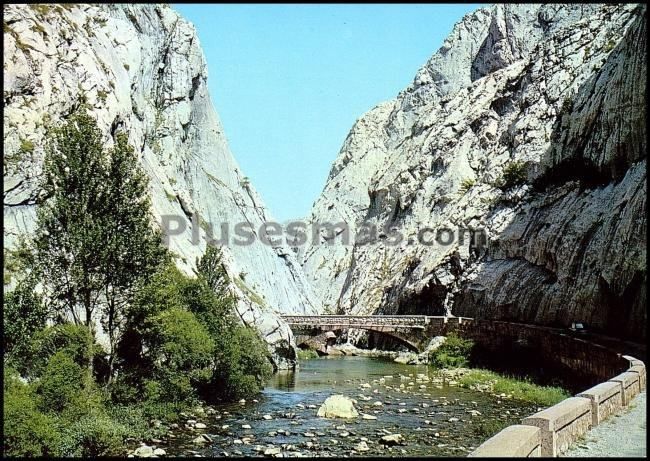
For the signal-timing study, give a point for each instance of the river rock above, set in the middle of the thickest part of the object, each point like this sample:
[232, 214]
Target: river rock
[144, 451]
[159, 452]
[361, 446]
[201, 439]
[267, 417]
[272, 451]
[337, 406]
[200, 426]
[368, 417]
[392, 439]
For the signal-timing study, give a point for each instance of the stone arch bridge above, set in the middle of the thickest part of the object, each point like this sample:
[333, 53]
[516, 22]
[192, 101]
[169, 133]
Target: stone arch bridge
[414, 331]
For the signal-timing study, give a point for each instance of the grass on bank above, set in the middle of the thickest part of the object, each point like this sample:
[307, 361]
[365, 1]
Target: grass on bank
[518, 388]
[455, 352]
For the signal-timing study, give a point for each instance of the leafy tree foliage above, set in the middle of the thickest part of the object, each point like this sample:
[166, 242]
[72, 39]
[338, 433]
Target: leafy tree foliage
[453, 353]
[27, 431]
[24, 314]
[95, 238]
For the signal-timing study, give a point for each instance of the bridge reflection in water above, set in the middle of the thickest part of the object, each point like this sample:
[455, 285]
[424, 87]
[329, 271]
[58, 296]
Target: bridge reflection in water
[415, 331]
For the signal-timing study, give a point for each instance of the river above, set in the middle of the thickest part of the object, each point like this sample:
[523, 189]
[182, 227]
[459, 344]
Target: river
[435, 418]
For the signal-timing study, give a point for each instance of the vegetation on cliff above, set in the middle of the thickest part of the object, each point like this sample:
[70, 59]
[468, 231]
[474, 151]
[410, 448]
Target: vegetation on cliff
[172, 338]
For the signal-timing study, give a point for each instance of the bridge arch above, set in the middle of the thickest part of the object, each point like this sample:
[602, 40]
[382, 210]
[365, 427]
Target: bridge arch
[303, 335]
[414, 331]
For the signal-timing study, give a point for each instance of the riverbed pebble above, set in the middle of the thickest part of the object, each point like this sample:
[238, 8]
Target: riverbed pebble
[143, 452]
[361, 446]
[201, 439]
[392, 439]
[272, 451]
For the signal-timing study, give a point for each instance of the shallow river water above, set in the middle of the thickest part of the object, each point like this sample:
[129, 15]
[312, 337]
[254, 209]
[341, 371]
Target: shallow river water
[435, 418]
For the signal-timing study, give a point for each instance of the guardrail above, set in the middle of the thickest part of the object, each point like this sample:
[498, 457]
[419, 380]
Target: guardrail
[550, 432]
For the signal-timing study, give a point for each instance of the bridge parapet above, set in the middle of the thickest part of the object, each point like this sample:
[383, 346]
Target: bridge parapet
[372, 320]
[413, 330]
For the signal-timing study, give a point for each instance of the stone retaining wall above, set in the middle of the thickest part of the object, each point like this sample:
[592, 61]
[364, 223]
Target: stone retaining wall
[586, 361]
[560, 425]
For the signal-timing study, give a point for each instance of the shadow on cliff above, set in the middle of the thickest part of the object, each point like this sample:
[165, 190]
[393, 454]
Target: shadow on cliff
[577, 251]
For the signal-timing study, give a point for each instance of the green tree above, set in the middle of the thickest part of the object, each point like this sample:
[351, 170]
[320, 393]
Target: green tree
[133, 248]
[94, 240]
[183, 339]
[70, 226]
[210, 267]
[242, 362]
[181, 352]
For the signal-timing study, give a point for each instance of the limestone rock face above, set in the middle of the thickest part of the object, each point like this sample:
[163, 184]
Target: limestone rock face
[550, 96]
[337, 406]
[141, 68]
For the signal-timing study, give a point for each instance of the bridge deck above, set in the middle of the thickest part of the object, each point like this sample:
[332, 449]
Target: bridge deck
[367, 321]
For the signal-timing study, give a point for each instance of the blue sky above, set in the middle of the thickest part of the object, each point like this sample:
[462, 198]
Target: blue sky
[288, 81]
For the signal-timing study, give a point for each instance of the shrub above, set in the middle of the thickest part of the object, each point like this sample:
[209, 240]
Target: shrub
[244, 365]
[466, 185]
[135, 419]
[453, 353]
[178, 341]
[61, 383]
[181, 352]
[26, 146]
[27, 431]
[306, 354]
[93, 435]
[514, 174]
[24, 314]
[184, 340]
[74, 341]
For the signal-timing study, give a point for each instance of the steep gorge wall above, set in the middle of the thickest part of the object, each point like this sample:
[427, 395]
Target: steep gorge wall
[141, 69]
[559, 88]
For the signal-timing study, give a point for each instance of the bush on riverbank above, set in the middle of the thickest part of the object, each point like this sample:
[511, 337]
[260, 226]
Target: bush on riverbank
[453, 353]
[306, 354]
[517, 388]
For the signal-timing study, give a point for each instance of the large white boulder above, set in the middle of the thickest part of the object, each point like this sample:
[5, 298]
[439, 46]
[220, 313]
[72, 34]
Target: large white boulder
[337, 406]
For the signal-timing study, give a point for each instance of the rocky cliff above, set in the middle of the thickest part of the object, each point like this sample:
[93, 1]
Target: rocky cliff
[141, 68]
[527, 128]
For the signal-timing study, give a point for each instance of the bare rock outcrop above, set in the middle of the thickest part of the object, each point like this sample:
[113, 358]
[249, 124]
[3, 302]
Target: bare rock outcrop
[526, 128]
